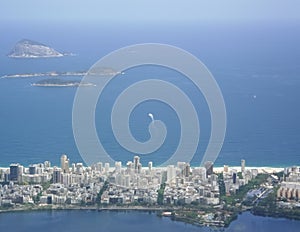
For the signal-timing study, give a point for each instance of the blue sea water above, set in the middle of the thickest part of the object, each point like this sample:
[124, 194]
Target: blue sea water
[256, 68]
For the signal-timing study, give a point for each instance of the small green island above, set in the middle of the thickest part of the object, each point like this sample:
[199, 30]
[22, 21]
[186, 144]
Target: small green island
[55, 82]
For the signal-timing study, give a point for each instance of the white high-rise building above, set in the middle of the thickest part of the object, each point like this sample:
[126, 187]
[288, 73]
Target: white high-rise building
[119, 179]
[127, 180]
[79, 168]
[129, 166]
[106, 167]
[66, 179]
[181, 165]
[171, 174]
[73, 167]
[202, 173]
[136, 162]
[63, 160]
[150, 165]
[64, 163]
[139, 168]
[243, 165]
[118, 166]
[225, 168]
[47, 164]
[99, 166]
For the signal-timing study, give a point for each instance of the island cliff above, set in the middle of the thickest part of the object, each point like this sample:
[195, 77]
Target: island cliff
[30, 49]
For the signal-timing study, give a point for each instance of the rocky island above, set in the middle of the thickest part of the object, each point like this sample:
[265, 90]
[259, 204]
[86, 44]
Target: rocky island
[31, 49]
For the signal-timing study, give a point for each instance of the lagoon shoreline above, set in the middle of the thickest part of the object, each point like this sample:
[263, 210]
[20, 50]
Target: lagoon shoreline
[184, 213]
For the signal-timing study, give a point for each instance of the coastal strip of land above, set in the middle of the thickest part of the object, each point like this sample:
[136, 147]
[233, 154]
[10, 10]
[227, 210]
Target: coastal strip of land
[45, 74]
[100, 72]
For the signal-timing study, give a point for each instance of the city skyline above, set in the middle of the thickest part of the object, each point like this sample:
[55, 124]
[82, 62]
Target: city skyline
[152, 188]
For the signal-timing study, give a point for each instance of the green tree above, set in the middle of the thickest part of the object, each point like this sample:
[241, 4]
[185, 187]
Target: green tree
[160, 197]
[102, 190]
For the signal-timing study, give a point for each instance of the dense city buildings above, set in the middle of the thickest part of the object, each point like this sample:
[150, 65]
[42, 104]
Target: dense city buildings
[77, 184]
[73, 184]
[208, 195]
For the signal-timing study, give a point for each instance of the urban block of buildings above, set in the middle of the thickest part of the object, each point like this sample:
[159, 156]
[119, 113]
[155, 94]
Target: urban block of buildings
[76, 184]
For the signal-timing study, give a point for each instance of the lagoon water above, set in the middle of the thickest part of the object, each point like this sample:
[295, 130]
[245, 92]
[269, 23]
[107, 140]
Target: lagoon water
[92, 221]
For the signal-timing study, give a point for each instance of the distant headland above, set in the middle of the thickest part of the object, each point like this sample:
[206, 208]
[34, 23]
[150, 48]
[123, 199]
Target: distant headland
[101, 72]
[45, 74]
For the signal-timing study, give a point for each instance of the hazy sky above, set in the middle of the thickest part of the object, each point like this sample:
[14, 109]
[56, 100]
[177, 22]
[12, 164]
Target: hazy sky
[148, 11]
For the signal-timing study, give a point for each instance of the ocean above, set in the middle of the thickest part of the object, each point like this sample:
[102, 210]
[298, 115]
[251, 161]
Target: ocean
[256, 68]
